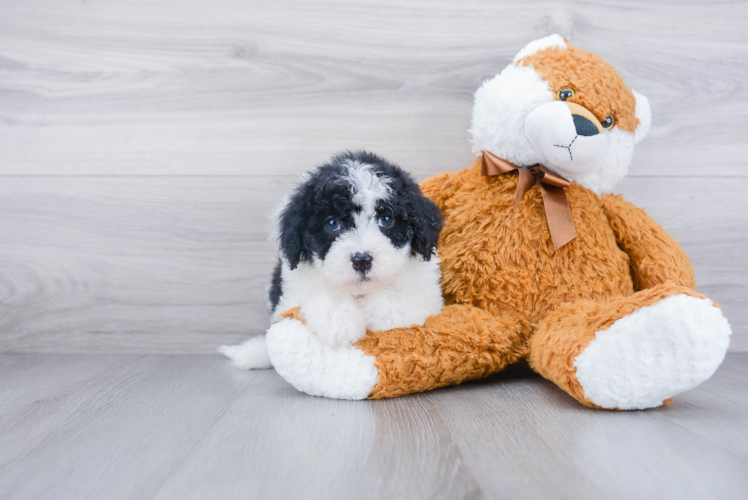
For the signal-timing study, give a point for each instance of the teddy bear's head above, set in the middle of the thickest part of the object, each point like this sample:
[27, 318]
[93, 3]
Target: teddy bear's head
[562, 107]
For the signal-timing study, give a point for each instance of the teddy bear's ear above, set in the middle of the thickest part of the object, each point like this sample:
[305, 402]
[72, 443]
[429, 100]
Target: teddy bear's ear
[540, 44]
[644, 114]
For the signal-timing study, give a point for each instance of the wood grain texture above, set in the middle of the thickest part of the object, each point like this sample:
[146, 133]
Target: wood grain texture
[181, 264]
[169, 264]
[131, 421]
[586, 451]
[143, 144]
[247, 87]
[193, 427]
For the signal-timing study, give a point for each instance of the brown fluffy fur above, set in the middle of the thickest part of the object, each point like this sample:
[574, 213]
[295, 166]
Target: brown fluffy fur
[597, 85]
[510, 296]
[637, 235]
[459, 344]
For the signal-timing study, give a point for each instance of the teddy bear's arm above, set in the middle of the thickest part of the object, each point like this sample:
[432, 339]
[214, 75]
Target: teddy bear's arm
[655, 255]
[460, 343]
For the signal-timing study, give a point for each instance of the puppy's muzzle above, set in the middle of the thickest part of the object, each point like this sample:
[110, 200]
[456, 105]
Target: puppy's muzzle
[361, 262]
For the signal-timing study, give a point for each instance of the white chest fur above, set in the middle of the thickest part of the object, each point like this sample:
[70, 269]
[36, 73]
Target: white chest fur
[410, 299]
[415, 296]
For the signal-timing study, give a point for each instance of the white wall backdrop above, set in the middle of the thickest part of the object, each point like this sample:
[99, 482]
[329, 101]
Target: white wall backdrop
[144, 143]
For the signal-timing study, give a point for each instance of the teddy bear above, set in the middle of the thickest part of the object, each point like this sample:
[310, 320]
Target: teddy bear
[540, 262]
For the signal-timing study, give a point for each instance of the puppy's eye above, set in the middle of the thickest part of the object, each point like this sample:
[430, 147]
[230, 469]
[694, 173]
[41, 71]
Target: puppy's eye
[385, 221]
[565, 93]
[608, 122]
[332, 225]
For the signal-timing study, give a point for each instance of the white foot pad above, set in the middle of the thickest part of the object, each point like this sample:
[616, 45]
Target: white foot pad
[316, 369]
[250, 355]
[654, 354]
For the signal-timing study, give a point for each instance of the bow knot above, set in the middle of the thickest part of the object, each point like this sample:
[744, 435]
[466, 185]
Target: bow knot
[551, 185]
[544, 175]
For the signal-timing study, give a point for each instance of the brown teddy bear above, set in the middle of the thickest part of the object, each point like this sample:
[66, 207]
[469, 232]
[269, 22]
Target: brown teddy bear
[538, 262]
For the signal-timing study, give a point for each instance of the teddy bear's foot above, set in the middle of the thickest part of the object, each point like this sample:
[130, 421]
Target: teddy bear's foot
[635, 359]
[317, 369]
[654, 354]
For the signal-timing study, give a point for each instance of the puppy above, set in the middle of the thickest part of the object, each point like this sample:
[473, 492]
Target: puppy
[357, 243]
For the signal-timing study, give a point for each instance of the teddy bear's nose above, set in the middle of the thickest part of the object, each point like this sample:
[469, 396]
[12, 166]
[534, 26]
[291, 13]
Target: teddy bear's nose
[585, 122]
[584, 126]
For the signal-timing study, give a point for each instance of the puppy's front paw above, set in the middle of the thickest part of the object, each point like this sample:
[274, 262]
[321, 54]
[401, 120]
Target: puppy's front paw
[336, 323]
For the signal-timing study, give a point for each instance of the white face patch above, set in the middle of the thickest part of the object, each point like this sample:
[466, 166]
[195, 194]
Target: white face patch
[610, 171]
[551, 130]
[501, 106]
[366, 187]
[364, 237]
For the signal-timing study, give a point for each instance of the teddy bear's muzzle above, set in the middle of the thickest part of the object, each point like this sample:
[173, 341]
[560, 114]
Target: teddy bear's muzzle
[568, 136]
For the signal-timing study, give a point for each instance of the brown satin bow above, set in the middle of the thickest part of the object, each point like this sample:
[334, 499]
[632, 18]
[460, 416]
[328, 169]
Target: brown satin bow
[557, 211]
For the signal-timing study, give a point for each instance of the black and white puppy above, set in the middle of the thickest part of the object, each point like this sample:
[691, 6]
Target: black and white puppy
[357, 243]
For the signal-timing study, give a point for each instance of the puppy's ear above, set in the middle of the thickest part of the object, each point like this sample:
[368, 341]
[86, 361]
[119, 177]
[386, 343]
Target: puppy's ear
[426, 223]
[291, 230]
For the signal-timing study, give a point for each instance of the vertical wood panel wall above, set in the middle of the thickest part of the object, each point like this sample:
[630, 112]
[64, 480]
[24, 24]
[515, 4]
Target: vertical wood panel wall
[143, 144]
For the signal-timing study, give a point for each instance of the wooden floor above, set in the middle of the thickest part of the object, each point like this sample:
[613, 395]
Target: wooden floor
[80, 426]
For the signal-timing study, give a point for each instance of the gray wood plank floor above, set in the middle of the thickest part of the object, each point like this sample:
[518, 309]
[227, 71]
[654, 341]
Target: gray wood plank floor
[183, 427]
[144, 143]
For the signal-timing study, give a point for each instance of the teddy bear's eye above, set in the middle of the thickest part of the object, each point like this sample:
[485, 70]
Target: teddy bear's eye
[565, 93]
[608, 122]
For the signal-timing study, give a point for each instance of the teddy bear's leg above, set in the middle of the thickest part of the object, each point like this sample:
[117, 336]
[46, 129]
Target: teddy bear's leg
[633, 352]
[460, 343]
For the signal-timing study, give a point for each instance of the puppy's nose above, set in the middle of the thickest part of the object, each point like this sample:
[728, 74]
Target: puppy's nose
[361, 262]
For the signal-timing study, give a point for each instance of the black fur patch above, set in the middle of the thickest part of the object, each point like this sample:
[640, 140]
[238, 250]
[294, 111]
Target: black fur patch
[276, 287]
[417, 220]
